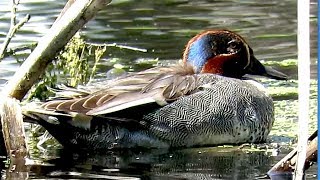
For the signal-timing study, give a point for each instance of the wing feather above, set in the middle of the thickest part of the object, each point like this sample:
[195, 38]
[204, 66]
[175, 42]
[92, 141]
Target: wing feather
[157, 85]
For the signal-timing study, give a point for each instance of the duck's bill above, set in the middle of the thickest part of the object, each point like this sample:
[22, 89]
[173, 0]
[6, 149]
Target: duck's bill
[256, 68]
[272, 73]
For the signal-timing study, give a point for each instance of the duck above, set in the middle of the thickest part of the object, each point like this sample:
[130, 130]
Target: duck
[203, 101]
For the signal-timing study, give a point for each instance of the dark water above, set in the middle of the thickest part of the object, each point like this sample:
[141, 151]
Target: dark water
[204, 163]
[163, 28]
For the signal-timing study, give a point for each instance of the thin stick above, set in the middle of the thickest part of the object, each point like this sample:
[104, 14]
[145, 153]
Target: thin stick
[304, 84]
[13, 27]
[16, 49]
[119, 46]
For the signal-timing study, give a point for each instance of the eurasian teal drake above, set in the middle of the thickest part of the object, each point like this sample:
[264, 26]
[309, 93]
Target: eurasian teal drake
[201, 102]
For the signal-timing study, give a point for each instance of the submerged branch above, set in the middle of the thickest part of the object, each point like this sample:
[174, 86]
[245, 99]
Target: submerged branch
[287, 164]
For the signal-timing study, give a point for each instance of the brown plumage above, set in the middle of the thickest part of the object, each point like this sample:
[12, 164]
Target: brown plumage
[160, 84]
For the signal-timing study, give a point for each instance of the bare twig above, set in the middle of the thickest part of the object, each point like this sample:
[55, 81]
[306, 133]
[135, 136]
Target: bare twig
[13, 27]
[104, 45]
[23, 47]
[13, 11]
[119, 46]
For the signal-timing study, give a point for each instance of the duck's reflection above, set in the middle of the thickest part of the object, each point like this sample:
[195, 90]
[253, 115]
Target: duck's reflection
[196, 163]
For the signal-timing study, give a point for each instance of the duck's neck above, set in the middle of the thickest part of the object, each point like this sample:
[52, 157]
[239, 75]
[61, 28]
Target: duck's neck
[198, 52]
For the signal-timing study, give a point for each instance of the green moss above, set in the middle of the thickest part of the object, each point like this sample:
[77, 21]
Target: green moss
[284, 90]
[285, 95]
[73, 61]
[265, 36]
[283, 63]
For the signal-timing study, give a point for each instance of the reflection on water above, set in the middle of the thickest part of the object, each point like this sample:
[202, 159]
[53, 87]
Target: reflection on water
[163, 27]
[199, 163]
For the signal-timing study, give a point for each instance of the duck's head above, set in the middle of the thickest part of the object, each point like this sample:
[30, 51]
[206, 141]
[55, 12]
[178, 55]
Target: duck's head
[226, 53]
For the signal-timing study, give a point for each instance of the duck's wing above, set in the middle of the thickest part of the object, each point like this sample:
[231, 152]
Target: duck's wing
[158, 85]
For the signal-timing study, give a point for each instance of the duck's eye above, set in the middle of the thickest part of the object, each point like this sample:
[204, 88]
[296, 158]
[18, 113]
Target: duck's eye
[233, 46]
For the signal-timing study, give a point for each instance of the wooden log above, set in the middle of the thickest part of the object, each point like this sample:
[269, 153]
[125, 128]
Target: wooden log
[65, 8]
[287, 164]
[13, 131]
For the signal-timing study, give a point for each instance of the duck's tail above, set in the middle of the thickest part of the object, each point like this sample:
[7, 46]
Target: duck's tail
[82, 132]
